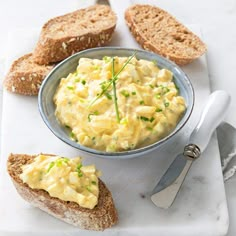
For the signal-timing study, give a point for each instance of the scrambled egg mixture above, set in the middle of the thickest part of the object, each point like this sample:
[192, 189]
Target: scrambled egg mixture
[144, 96]
[64, 178]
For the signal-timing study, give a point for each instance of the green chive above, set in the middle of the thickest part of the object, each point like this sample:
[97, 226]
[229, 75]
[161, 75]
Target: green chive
[151, 86]
[83, 82]
[158, 96]
[151, 119]
[125, 93]
[167, 104]
[165, 90]
[114, 91]
[141, 102]
[106, 59]
[94, 182]
[133, 93]
[144, 118]
[89, 189]
[72, 135]
[95, 113]
[50, 166]
[149, 128]
[114, 79]
[78, 169]
[70, 86]
[108, 95]
[158, 110]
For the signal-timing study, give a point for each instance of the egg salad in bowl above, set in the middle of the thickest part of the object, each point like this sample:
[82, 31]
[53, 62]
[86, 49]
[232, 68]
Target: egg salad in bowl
[115, 112]
[116, 102]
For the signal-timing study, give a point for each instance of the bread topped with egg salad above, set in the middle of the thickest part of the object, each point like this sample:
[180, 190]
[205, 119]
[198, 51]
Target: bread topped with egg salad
[64, 188]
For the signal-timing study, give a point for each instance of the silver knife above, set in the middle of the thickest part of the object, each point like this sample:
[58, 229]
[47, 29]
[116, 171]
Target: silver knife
[164, 194]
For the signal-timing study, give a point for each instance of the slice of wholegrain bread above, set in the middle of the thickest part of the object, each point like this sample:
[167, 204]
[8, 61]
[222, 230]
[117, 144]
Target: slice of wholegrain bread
[25, 76]
[64, 35]
[157, 31]
[103, 216]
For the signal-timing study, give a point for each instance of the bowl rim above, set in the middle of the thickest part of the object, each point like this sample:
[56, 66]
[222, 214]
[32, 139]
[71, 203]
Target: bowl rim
[128, 153]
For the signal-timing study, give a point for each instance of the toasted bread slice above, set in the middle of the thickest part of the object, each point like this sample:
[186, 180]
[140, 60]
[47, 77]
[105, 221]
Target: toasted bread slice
[25, 76]
[103, 216]
[157, 31]
[64, 35]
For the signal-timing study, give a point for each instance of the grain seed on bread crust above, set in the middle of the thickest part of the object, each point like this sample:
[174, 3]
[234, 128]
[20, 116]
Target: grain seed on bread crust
[25, 76]
[103, 216]
[157, 31]
[65, 35]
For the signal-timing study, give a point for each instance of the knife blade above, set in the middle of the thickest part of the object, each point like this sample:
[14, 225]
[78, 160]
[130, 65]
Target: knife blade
[165, 192]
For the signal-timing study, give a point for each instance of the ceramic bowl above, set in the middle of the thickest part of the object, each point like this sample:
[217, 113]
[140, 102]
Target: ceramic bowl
[51, 82]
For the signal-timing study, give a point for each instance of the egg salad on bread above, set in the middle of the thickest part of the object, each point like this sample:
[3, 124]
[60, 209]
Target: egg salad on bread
[63, 178]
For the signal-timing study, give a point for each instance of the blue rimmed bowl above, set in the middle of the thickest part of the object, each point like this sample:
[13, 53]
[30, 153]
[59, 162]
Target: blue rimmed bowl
[51, 82]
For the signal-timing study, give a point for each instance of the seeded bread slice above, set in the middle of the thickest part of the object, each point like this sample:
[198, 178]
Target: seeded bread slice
[157, 31]
[103, 216]
[64, 35]
[25, 76]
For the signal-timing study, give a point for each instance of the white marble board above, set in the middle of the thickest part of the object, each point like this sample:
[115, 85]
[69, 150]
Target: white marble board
[200, 207]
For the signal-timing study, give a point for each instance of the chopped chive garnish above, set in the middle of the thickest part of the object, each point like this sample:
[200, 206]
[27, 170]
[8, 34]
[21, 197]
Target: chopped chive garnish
[97, 67]
[149, 128]
[94, 182]
[158, 110]
[151, 86]
[151, 119]
[165, 90]
[72, 135]
[83, 82]
[125, 93]
[167, 104]
[133, 93]
[141, 102]
[114, 91]
[147, 119]
[89, 189]
[144, 118]
[50, 166]
[93, 138]
[61, 160]
[114, 79]
[158, 96]
[106, 59]
[78, 169]
[95, 113]
[108, 95]
[70, 86]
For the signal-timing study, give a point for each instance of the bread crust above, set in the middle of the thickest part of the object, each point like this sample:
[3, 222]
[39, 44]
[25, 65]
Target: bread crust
[54, 48]
[157, 31]
[25, 76]
[103, 216]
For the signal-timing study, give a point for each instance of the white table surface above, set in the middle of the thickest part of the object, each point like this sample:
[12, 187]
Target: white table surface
[217, 19]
